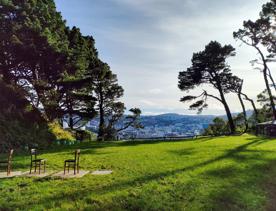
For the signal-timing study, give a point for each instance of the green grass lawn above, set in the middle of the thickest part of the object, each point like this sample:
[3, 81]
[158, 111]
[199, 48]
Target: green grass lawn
[226, 173]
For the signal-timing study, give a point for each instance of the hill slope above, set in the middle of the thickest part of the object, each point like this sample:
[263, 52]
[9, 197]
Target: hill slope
[169, 124]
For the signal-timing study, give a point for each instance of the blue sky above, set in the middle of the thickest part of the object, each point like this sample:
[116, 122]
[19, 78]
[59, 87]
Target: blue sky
[147, 42]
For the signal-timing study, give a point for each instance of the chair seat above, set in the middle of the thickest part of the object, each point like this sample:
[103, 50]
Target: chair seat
[70, 161]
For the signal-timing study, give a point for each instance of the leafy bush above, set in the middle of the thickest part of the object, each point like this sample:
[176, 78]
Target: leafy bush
[85, 135]
[217, 128]
[59, 133]
[21, 125]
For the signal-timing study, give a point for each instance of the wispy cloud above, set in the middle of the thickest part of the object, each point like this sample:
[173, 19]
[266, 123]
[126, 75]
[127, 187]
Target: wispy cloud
[147, 42]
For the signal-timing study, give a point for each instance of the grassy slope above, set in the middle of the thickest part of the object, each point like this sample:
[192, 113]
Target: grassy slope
[228, 173]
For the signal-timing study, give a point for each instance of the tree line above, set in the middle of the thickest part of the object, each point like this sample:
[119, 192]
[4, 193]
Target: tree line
[210, 67]
[57, 69]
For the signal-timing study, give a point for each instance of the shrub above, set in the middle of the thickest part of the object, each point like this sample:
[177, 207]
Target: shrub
[85, 135]
[21, 125]
[59, 133]
[217, 128]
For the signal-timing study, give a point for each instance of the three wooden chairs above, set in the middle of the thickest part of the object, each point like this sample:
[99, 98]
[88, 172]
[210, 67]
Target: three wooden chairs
[38, 163]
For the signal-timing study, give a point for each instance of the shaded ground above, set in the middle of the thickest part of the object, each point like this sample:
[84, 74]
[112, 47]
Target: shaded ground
[226, 173]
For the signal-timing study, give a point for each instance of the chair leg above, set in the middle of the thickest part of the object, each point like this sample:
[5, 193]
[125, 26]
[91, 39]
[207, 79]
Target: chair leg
[64, 167]
[78, 168]
[35, 166]
[39, 167]
[31, 166]
[75, 169]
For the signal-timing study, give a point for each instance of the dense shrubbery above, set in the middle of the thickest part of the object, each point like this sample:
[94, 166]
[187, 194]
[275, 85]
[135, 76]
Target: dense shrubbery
[21, 125]
[217, 128]
[57, 71]
[60, 133]
[88, 136]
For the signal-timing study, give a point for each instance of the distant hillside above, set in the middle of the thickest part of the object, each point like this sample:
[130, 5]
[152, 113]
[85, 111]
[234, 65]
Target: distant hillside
[164, 125]
[167, 120]
[172, 119]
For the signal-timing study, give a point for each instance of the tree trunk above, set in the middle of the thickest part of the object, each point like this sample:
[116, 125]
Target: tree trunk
[244, 113]
[228, 113]
[272, 104]
[101, 123]
[269, 93]
[71, 122]
[253, 106]
[271, 78]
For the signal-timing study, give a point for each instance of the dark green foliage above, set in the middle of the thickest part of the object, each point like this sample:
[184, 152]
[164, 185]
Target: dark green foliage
[241, 122]
[217, 128]
[46, 58]
[56, 67]
[77, 88]
[210, 67]
[188, 98]
[265, 113]
[108, 92]
[268, 15]
[21, 125]
[47, 63]
[259, 35]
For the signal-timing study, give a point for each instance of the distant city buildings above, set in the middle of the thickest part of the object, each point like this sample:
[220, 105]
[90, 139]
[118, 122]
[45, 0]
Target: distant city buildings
[169, 125]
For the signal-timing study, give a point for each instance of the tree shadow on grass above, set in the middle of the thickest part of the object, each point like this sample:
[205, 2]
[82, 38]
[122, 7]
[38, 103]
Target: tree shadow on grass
[94, 152]
[91, 147]
[224, 172]
[209, 138]
[82, 192]
[95, 145]
[144, 142]
[246, 189]
[183, 152]
[260, 138]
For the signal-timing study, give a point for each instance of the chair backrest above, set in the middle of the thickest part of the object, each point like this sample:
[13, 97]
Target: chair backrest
[77, 155]
[33, 153]
[10, 155]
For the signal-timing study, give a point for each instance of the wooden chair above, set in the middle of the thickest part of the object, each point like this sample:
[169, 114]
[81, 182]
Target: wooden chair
[75, 163]
[37, 162]
[7, 163]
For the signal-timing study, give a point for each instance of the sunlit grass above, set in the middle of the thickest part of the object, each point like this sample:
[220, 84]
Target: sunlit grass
[226, 173]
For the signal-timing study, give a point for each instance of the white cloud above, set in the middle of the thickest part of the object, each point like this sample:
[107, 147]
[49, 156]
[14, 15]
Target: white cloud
[147, 102]
[147, 42]
[155, 91]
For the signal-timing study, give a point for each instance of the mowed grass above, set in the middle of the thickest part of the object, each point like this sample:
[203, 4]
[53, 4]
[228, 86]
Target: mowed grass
[225, 173]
